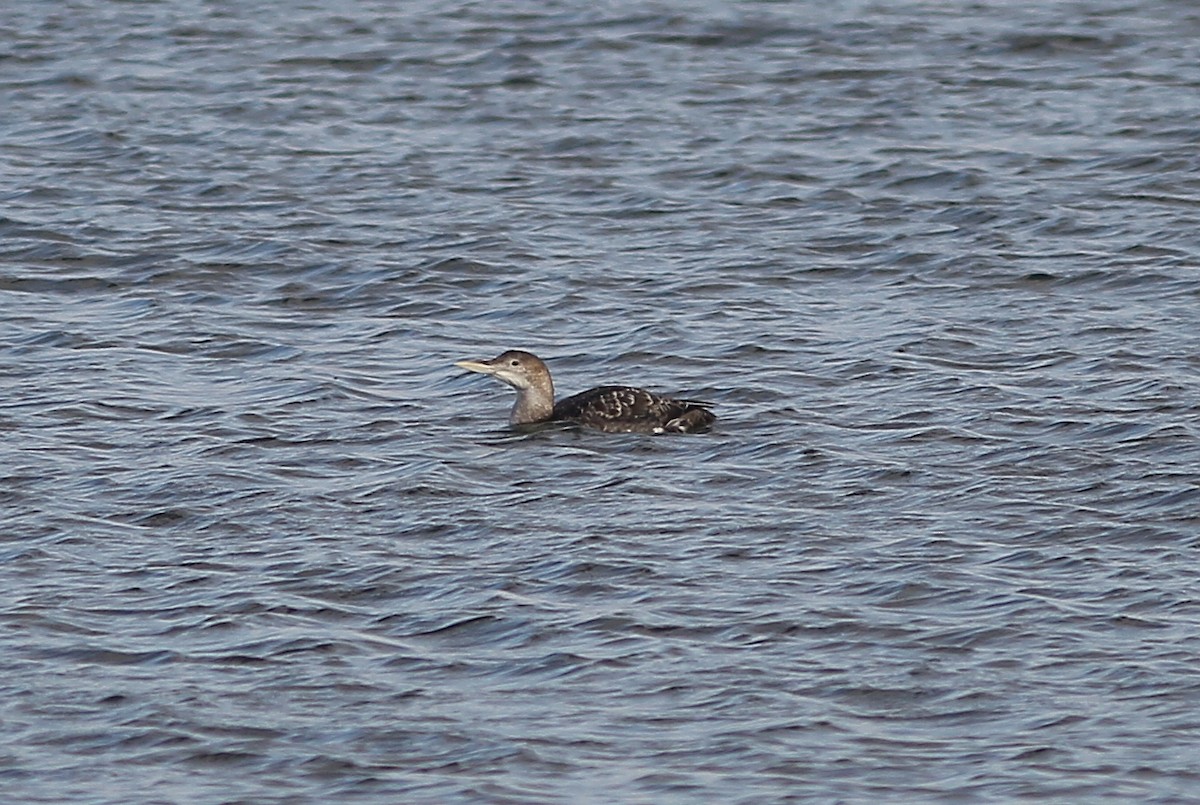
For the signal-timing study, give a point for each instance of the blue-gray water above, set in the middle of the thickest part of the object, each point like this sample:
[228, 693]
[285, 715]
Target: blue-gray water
[938, 264]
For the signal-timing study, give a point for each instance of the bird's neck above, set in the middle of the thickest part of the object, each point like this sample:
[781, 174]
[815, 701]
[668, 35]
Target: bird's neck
[534, 404]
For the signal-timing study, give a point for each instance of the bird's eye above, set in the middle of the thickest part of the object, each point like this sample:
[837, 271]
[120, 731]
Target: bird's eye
[514, 362]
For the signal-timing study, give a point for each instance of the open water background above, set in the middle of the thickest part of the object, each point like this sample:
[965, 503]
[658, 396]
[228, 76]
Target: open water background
[937, 263]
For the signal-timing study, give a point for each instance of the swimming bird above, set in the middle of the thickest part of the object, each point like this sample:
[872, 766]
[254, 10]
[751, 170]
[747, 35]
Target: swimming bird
[615, 409]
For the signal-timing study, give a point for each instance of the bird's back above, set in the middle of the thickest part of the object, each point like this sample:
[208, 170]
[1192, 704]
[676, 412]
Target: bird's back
[624, 409]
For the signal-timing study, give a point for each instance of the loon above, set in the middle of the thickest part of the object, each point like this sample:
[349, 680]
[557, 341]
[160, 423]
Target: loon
[614, 409]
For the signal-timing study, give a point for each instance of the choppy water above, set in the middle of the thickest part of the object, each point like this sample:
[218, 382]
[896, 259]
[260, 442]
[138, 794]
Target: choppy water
[937, 263]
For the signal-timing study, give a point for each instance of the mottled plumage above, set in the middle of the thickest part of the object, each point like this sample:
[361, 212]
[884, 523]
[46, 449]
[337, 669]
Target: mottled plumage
[615, 409]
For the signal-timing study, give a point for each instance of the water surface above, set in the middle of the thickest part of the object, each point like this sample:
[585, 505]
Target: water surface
[935, 263]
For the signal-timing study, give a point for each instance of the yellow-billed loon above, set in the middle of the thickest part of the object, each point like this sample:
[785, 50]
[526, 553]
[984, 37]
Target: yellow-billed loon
[615, 409]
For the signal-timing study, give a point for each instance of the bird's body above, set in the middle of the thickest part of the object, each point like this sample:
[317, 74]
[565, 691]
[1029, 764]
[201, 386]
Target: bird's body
[615, 409]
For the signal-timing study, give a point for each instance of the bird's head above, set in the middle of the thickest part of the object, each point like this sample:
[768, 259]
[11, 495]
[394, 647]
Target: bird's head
[521, 370]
